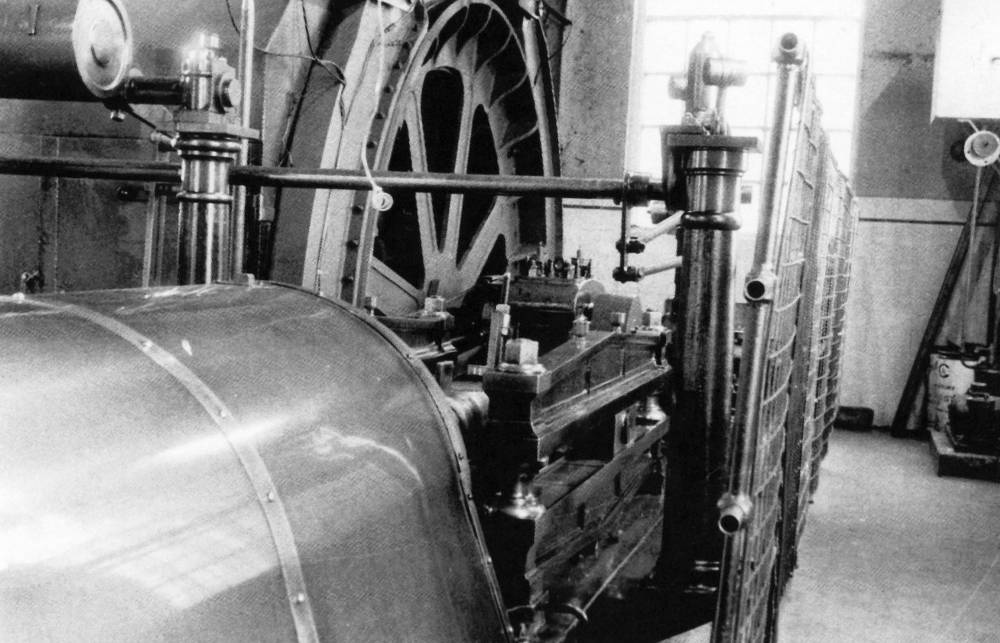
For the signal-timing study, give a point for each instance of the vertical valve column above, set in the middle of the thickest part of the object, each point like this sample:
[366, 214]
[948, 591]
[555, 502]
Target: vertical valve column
[208, 141]
[703, 167]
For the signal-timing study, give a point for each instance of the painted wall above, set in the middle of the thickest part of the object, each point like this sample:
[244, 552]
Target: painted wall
[77, 233]
[594, 110]
[914, 198]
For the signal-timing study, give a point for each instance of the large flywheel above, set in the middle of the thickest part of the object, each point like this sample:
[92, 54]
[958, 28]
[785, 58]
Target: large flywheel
[462, 91]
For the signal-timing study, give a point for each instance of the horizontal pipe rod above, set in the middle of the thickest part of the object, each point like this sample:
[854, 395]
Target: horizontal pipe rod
[667, 226]
[81, 168]
[551, 186]
[670, 264]
[331, 179]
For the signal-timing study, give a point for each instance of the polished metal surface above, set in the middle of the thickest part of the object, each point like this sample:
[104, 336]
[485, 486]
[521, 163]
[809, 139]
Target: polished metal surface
[37, 52]
[165, 172]
[102, 45]
[88, 49]
[228, 463]
[115, 39]
[702, 169]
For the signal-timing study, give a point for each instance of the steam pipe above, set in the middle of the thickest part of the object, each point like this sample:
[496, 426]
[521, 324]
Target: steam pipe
[244, 71]
[667, 226]
[81, 168]
[734, 511]
[165, 172]
[336, 179]
[670, 264]
[759, 292]
[704, 170]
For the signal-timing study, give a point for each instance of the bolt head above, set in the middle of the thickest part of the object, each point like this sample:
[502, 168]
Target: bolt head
[523, 352]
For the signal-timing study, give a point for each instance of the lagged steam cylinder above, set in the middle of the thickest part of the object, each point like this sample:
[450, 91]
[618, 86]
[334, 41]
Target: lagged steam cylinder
[229, 462]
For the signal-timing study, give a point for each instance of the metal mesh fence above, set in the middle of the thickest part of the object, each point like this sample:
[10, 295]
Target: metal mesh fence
[836, 279]
[761, 555]
[798, 394]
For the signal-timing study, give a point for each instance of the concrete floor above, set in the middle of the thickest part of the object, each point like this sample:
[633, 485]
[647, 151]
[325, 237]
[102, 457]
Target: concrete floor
[891, 552]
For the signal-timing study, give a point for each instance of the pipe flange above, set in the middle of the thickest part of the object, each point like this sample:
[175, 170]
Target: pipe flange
[982, 148]
[760, 286]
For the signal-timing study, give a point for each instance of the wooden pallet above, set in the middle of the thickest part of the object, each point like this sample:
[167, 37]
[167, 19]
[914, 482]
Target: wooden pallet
[962, 464]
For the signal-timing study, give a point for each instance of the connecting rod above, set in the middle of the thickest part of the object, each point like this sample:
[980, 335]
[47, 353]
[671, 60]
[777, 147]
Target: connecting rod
[333, 179]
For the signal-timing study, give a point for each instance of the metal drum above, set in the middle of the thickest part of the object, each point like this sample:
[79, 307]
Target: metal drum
[228, 463]
[47, 47]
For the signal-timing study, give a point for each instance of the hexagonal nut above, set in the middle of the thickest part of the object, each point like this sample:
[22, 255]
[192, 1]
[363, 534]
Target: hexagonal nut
[581, 327]
[523, 352]
[433, 305]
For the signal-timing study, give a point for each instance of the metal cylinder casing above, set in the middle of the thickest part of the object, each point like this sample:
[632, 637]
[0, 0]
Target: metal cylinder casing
[37, 52]
[47, 46]
[228, 463]
[205, 243]
[713, 179]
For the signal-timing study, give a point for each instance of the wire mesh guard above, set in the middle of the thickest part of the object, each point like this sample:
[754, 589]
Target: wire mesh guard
[798, 394]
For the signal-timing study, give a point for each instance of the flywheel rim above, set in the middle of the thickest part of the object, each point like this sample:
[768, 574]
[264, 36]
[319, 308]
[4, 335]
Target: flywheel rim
[469, 47]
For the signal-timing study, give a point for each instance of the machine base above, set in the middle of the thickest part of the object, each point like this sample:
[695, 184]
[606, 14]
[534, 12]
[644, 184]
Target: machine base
[962, 464]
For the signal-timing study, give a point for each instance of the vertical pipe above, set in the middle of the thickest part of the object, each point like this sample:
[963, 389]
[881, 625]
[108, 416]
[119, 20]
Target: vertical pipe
[711, 166]
[244, 71]
[758, 291]
[190, 258]
[205, 207]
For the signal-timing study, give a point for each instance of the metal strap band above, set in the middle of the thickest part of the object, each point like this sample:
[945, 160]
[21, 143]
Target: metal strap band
[253, 466]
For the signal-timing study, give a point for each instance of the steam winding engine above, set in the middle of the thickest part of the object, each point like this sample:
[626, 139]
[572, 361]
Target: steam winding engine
[443, 430]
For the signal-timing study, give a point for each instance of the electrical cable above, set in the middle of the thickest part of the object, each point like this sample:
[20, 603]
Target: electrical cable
[157, 135]
[380, 199]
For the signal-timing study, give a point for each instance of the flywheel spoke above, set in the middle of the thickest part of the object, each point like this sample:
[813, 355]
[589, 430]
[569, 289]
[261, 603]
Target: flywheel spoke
[498, 223]
[466, 106]
[461, 166]
[425, 209]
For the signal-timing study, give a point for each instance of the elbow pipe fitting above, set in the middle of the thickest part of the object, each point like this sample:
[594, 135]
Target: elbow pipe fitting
[790, 50]
[734, 513]
[760, 286]
[725, 72]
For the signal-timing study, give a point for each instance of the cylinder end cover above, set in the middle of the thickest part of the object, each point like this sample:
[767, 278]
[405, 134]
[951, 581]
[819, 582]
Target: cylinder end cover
[102, 45]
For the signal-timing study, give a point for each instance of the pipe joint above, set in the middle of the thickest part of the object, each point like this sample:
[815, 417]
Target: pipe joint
[710, 221]
[636, 189]
[760, 286]
[734, 512]
[790, 50]
[627, 274]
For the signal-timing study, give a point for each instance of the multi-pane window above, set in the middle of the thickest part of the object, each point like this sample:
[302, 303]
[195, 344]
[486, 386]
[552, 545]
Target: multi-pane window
[747, 30]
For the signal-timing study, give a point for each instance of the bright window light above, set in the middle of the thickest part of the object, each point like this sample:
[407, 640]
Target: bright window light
[748, 30]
